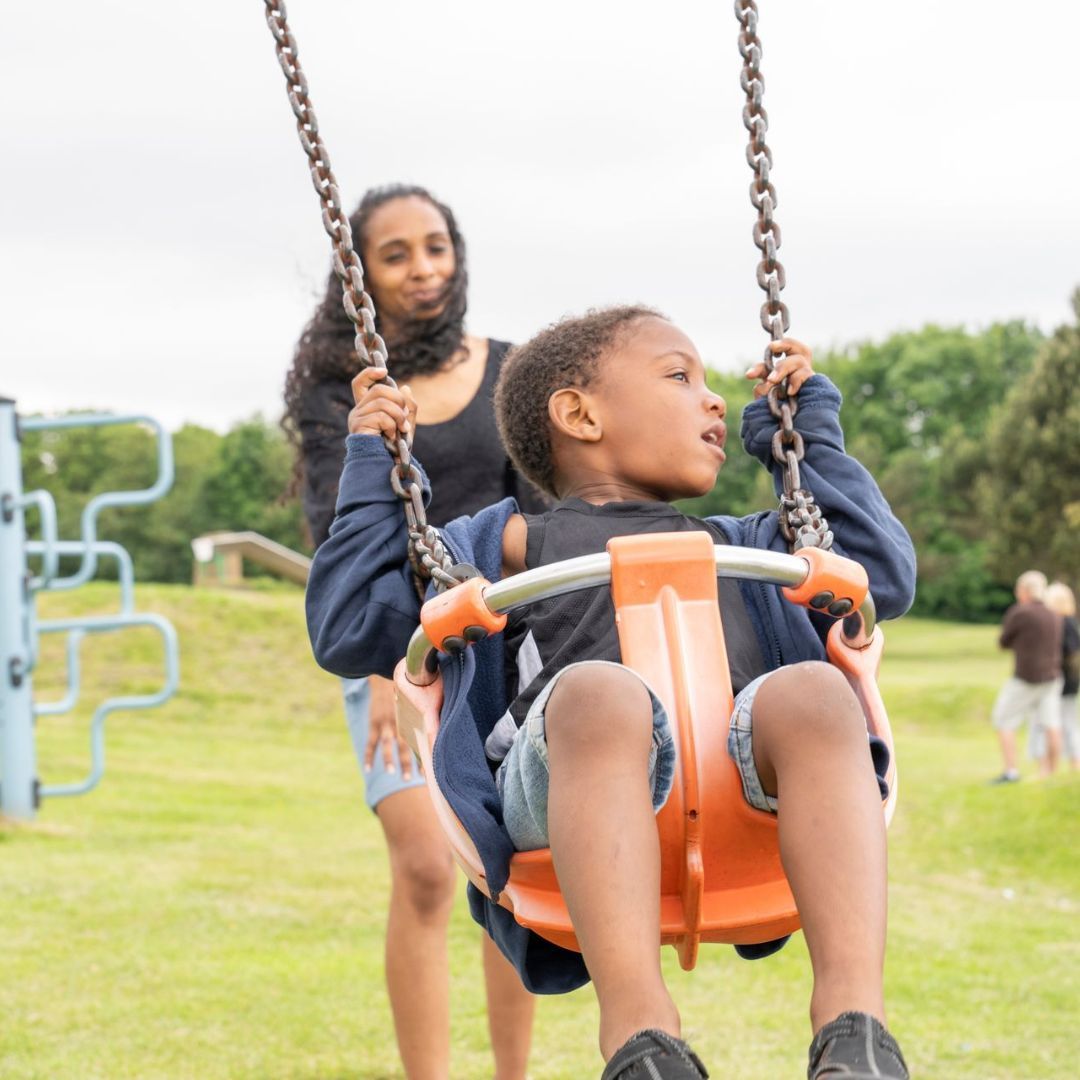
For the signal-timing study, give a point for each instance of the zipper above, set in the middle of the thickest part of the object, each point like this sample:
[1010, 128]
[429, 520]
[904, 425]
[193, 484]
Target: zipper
[767, 599]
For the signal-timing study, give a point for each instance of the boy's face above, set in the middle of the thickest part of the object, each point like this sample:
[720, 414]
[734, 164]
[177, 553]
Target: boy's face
[663, 429]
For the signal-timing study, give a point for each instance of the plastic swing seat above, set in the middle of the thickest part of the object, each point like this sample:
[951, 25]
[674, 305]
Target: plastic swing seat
[721, 877]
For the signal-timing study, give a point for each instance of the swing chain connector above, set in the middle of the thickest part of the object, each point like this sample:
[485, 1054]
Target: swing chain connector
[428, 556]
[801, 522]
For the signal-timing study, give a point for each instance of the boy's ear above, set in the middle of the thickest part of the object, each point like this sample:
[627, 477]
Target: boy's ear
[573, 413]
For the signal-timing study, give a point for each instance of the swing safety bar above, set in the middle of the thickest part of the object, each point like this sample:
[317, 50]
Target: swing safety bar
[721, 875]
[810, 578]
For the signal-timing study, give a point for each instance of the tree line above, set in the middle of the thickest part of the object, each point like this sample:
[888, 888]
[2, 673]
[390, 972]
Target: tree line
[973, 436]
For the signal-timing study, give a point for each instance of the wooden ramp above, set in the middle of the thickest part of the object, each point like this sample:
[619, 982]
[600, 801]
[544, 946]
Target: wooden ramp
[219, 558]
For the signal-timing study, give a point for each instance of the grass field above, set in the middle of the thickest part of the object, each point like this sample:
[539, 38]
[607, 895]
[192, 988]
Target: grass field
[214, 909]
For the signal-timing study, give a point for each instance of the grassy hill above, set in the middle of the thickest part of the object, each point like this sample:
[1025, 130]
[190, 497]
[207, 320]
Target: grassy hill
[214, 909]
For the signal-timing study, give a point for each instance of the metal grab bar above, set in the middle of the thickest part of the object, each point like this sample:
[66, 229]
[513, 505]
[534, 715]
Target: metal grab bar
[88, 531]
[590, 571]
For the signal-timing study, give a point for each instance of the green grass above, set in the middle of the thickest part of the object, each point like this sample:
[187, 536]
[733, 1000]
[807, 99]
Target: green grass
[214, 909]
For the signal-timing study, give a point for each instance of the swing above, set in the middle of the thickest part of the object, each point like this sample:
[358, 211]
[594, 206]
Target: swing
[721, 877]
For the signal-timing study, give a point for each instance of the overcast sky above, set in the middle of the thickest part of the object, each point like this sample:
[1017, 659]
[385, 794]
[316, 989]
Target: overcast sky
[162, 247]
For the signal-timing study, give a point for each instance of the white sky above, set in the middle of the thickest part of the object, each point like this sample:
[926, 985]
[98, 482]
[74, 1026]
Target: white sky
[161, 243]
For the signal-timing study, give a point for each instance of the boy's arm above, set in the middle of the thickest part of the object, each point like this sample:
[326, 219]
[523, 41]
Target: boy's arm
[863, 524]
[361, 603]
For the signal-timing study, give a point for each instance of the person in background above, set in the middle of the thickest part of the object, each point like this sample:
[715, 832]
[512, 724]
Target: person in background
[1061, 600]
[413, 258]
[1034, 633]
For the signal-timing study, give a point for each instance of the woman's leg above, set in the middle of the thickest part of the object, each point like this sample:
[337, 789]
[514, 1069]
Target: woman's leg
[510, 1009]
[811, 753]
[423, 884]
[604, 843]
[1069, 735]
[1049, 761]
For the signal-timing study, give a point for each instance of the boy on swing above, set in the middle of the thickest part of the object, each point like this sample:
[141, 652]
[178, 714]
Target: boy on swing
[548, 741]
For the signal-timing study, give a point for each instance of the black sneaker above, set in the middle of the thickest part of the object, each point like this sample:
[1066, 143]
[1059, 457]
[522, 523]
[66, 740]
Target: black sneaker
[1009, 776]
[855, 1046]
[654, 1055]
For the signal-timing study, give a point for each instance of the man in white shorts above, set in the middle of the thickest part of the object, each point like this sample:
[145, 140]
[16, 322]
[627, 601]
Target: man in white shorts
[1033, 632]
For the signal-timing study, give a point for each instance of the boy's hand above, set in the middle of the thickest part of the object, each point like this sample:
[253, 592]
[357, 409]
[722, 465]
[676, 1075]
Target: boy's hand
[381, 409]
[796, 366]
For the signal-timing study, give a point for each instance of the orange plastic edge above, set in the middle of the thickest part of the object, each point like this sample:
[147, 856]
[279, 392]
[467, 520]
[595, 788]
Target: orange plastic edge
[829, 573]
[451, 613]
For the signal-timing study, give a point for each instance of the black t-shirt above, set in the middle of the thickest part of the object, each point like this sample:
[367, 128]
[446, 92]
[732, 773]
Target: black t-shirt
[543, 638]
[1070, 656]
[463, 456]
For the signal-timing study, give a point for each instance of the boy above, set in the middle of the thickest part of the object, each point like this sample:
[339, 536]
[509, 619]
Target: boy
[610, 413]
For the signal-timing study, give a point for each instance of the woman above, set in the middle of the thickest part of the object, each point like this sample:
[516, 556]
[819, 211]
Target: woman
[1060, 599]
[413, 259]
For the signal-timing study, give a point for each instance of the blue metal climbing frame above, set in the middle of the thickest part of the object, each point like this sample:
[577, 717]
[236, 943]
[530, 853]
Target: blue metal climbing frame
[20, 627]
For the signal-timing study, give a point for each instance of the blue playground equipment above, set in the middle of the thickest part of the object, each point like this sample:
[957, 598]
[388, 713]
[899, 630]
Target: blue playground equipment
[20, 628]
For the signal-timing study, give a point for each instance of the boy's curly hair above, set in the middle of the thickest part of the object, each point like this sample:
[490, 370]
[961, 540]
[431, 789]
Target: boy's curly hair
[565, 354]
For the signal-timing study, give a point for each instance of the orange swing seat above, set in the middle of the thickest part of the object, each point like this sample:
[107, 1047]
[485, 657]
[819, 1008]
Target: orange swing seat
[721, 877]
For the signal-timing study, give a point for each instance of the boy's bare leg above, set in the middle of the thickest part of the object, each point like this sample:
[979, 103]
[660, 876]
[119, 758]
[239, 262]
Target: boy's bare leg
[604, 844]
[423, 884]
[810, 748]
[510, 1010]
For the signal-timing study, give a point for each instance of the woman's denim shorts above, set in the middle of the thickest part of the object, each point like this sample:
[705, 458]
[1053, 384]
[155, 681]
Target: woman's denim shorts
[378, 783]
[523, 776]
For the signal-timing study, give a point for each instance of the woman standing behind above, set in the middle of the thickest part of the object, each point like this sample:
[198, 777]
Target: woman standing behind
[1060, 599]
[413, 259]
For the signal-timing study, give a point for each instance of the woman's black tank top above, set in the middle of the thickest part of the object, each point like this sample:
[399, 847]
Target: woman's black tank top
[465, 457]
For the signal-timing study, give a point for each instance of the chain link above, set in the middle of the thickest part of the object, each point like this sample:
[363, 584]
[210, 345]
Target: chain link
[428, 556]
[801, 522]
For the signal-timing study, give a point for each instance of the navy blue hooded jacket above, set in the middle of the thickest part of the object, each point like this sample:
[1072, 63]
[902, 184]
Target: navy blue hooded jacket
[362, 609]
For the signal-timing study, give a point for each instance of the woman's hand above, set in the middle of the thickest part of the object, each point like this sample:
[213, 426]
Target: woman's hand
[382, 730]
[796, 365]
[381, 409]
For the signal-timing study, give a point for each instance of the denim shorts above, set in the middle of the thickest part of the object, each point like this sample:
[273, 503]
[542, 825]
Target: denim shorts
[378, 783]
[523, 776]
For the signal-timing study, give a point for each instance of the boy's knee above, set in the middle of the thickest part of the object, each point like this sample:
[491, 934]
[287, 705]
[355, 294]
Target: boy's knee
[816, 696]
[598, 702]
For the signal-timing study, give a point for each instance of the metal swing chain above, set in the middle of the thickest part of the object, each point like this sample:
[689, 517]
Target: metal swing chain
[801, 522]
[427, 554]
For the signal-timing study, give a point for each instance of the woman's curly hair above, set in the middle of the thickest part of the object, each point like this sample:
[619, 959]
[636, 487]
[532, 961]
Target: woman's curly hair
[325, 350]
[565, 354]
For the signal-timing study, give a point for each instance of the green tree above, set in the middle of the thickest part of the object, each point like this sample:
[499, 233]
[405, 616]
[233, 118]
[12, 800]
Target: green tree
[244, 491]
[1030, 493]
[229, 482]
[916, 412]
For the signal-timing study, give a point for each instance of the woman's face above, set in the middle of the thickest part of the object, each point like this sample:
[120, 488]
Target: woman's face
[408, 259]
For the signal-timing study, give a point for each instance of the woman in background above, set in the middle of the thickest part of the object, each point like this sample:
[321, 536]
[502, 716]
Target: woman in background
[1060, 599]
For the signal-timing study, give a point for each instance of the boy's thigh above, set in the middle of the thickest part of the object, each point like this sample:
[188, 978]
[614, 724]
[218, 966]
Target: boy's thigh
[741, 747]
[378, 782]
[524, 776]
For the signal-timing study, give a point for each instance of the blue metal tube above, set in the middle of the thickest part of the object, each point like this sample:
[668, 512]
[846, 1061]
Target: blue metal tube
[71, 697]
[140, 701]
[125, 573]
[110, 498]
[18, 797]
[47, 546]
